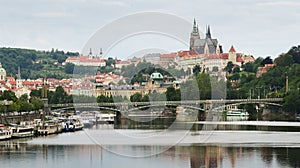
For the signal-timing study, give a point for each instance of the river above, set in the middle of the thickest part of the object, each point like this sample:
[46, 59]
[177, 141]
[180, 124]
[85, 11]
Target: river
[104, 146]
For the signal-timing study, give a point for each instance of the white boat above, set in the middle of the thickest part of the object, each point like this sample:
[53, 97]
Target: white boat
[237, 112]
[5, 132]
[237, 115]
[22, 131]
[105, 118]
[71, 124]
[47, 127]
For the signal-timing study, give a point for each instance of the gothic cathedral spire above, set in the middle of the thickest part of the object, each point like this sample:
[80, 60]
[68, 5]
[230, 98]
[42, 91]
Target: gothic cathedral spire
[208, 35]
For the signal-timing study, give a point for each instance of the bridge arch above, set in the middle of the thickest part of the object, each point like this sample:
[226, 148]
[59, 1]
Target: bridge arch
[248, 102]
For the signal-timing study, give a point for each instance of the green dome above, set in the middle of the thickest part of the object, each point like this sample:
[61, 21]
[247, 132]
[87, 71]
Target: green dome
[156, 75]
[2, 70]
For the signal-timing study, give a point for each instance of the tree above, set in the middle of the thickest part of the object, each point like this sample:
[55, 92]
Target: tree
[204, 86]
[173, 94]
[24, 97]
[37, 103]
[8, 95]
[59, 96]
[111, 62]
[284, 60]
[236, 69]
[229, 67]
[291, 102]
[196, 69]
[102, 99]
[69, 68]
[136, 97]
[267, 60]
[249, 67]
[295, 53]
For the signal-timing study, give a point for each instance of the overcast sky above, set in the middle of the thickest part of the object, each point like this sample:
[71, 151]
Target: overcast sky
[258, 27]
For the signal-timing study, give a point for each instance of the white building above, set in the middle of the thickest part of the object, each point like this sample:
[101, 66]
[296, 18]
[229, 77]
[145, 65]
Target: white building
[86, 61]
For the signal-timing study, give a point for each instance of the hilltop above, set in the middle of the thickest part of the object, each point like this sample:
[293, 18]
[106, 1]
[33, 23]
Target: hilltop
[33, 63]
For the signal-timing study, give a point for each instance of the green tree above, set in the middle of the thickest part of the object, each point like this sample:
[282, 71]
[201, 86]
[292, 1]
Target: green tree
[284, 60]
[8, 95]
[102, 99]
[229, 67]
[267, 60]
[204, 85]
[197, 69]
[249, 67]
[37, 103]
[24, 97]
[173, 94]
[111, 62]
[69, 68]
[295, 53]
[291, 102]
[36, 93]
[136, 97]
[236, 69]
[58, 97]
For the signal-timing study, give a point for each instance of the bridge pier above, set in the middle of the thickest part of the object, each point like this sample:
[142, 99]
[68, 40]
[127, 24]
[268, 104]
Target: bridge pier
[123, 109]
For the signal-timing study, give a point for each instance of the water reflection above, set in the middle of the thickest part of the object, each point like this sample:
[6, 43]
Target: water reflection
[21, 154]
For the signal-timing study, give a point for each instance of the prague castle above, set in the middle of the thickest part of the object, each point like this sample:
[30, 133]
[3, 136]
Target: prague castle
[207, 45]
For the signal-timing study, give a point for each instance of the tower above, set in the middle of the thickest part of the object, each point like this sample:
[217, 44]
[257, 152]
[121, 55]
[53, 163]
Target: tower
[19, 80]
[2, 73]
[208, 35]
[90, 53]
[195, 38]
[232, 55]
[100, 53]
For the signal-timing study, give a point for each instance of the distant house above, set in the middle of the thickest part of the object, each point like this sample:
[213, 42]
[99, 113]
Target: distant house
[264, 69]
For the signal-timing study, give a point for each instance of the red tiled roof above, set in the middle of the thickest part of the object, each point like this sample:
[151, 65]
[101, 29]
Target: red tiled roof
[239, 58]
[171, 55]
[123, 62]
[232, 49]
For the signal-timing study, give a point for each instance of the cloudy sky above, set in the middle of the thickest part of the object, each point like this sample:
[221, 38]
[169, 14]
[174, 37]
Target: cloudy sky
[258, 27]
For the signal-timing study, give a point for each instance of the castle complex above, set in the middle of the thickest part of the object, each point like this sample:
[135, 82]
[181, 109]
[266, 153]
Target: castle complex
[207, 45]
[205, 52]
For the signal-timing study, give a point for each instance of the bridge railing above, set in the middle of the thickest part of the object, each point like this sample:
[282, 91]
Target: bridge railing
[165, 102]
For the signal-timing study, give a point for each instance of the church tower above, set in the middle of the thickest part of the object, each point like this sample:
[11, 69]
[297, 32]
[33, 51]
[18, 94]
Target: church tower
[19, 80]
[195, 38]
[232, 55]
[2, 73]
[90, 54]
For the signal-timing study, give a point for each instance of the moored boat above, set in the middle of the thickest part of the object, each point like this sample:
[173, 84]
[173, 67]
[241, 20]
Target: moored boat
[71, 124]
[22, 131]
[237, 112]
[5, 132]
[105, 118]
[237, 115]
[47, 127]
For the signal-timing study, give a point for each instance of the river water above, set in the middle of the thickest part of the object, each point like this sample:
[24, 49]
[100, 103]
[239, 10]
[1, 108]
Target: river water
[104, 146]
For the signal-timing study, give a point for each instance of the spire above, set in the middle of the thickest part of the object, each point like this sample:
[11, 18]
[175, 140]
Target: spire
[101, 52]
[195, 28]
[19, 73]
[231, 49]
[208, 35]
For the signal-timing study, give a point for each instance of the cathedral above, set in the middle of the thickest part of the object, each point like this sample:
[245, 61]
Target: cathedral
[206, 45]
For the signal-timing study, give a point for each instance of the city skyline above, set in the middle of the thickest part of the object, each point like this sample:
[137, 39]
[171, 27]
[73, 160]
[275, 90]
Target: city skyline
[262, 28]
